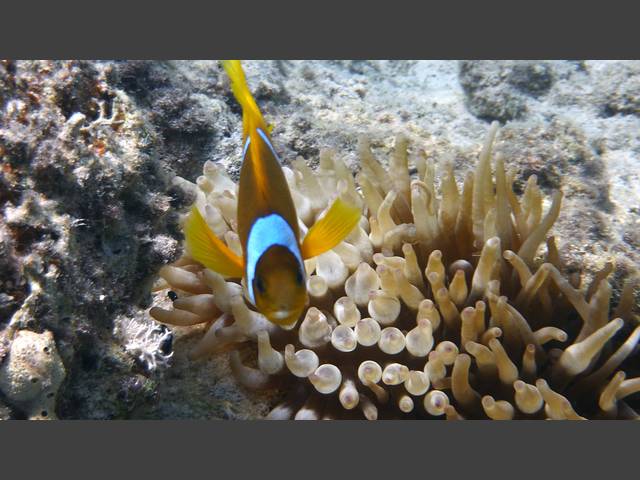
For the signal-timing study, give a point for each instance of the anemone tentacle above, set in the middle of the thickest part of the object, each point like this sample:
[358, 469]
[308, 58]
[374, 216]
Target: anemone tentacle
[451, 305]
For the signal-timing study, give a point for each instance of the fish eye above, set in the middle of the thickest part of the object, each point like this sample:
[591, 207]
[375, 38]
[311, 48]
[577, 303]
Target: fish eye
[260, 285]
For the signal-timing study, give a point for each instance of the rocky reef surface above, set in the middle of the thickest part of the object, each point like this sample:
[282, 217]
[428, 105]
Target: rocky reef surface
[89, 210]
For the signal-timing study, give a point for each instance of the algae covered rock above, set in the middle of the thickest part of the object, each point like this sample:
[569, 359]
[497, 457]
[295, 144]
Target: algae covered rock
[32, 373]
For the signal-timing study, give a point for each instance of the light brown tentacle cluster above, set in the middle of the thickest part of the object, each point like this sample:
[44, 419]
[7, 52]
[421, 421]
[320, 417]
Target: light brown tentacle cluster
[437, 305]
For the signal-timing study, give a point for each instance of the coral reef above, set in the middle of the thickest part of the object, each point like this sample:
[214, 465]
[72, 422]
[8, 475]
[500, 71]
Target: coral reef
[88, 211]
[435, 305]
[621, 95]
[85, 213]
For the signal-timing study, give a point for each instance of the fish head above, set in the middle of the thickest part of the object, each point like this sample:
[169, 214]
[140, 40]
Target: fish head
[279, 286]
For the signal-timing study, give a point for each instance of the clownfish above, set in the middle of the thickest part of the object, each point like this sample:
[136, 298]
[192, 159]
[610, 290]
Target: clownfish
[272, 261]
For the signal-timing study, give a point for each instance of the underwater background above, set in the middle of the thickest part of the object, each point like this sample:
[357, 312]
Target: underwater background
[89, 204]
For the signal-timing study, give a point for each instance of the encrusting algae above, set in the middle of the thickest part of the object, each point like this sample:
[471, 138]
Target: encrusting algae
[443, 302]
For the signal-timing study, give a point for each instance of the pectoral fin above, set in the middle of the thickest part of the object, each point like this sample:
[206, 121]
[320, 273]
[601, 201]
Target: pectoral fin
[331, 229]
[209, 250]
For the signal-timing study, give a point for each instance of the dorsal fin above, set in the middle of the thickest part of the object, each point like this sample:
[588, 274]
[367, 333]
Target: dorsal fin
[251, 116]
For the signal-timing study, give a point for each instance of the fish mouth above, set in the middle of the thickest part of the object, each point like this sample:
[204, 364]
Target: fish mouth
[284, 318]
[282, 314]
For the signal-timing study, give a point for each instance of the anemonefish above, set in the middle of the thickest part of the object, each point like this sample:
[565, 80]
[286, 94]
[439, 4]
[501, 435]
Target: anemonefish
[272, 262]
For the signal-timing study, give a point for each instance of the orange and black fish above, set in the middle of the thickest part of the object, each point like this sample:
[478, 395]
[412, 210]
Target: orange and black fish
[273, 256]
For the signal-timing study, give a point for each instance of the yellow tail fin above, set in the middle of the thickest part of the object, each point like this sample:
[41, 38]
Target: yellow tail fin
[209, 250]
[251, 115]
[331, 229]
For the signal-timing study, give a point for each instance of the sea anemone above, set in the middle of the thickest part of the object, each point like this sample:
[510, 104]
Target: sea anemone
[453, 305]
